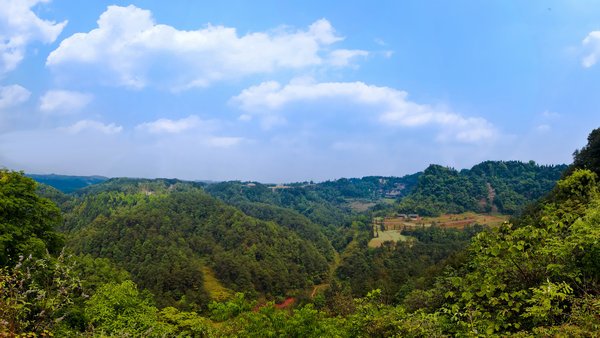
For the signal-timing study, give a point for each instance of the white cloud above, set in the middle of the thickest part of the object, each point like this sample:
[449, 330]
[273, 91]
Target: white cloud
[392, 106]
[64, 101]
[202, 131]
[592, 43]
[130, 49]
[343, 57]
[95, 126]
[20, 26]
[12, 95]
[162, 126]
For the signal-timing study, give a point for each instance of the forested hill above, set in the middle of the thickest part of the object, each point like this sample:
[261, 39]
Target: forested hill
[491, 186]
[168, 234]
[325, 203]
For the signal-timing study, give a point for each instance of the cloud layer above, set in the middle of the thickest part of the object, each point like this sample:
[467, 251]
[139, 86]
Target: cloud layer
[135, 52]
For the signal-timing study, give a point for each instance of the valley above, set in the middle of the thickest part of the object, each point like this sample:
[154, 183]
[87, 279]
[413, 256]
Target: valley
[229, 252]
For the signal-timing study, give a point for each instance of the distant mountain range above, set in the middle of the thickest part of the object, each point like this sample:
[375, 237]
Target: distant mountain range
[67, 183]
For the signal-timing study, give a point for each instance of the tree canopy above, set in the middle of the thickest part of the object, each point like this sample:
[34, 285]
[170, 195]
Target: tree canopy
[27, 221]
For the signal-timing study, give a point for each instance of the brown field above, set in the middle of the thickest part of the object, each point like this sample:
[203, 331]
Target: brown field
[456, 221]
[395, 225]
[459, 221]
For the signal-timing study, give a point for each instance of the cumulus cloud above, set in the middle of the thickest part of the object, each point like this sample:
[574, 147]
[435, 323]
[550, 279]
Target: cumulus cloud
[392, 106]
[130, 49]
[93, 126]
[63, 101]
[592, 44]
[20, 26]
[13, 95]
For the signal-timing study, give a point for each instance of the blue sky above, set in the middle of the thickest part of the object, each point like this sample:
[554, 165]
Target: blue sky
[294, 91]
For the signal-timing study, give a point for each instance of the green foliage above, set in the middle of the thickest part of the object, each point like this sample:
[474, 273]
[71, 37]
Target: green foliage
[588, 157]
[27, 221]
[292, 220]
[221, 311]
[120, 310]
[185, 324]
[58, 197]
[35, 295]
[320, 218]
[270, 322]
[501, 186]
[95, 272]
[374, 319]
[521, 278]
[396, 268]
[371, 188]
[164, 232]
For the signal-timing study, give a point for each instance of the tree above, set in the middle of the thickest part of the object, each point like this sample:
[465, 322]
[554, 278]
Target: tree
[27, 221]
[36, 295]
[530, 277]
[120, 310]
[588, 157]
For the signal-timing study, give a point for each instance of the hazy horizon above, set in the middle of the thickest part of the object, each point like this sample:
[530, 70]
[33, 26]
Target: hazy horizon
[293, 92]
[257, 181]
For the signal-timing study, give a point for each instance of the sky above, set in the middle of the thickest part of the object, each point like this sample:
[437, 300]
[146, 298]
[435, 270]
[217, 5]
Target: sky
[276, 91]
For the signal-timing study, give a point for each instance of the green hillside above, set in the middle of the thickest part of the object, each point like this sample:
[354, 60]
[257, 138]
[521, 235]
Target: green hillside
[492, 186]
[164, 231]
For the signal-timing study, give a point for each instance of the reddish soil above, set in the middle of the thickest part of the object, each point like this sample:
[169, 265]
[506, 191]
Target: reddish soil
[284, 305]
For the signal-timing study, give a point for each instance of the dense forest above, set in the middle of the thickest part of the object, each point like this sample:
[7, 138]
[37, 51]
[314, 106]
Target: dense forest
[168, 258]
[491, 186]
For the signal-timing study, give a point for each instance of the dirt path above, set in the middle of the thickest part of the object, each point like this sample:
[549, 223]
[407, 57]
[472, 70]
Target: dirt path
[317, 288]
[336, 262]
[491, 197]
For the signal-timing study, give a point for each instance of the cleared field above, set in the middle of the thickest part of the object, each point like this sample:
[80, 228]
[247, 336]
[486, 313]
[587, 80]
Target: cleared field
[215, 289]
[360, 205]
[456, 221]
[468, 218]
[388, 235]
[395, 225]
